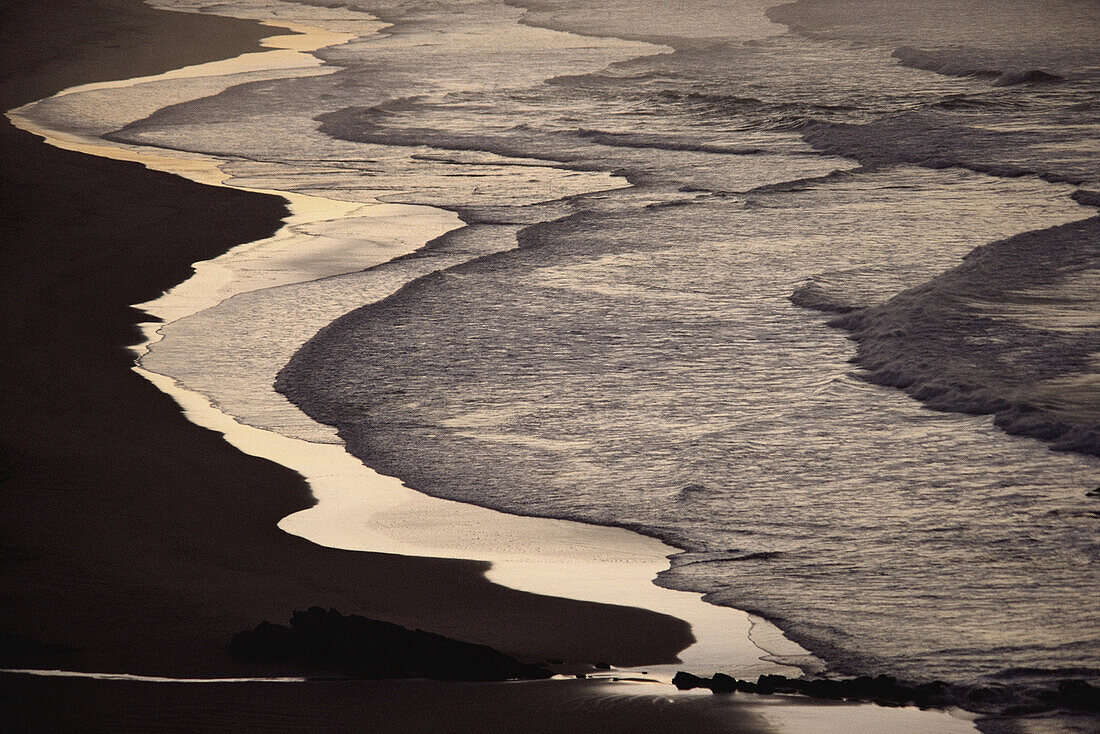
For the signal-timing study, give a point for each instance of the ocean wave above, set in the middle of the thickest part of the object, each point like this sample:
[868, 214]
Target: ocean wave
[941, 62]
[845, 291]
[733, 102]
[948, 62]
[760, 114]
[974, 102]
[934, 343]
[725, 101]
[364, 125]
[931, 140]
[605, 79]
[1085, 197]
[1027, 76]
[662, 142]
[969, 39]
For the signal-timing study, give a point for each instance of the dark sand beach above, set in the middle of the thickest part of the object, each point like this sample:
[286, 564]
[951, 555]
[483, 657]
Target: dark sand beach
[132, 540]
[368, 706]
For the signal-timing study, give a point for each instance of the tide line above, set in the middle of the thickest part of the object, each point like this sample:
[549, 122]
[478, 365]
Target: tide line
[359, 509]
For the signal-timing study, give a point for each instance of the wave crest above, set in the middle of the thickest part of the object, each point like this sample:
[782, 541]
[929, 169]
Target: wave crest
[948, 63]
[956, 344]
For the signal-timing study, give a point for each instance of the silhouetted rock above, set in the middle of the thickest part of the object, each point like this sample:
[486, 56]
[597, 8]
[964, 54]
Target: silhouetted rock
[722, 683]
[367, 648]
[1069, 695]
[687, 681]
[882, 689]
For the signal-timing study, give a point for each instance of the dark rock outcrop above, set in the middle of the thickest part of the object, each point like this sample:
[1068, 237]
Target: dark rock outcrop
[882, 689]
[1068, 695]
[352, 645]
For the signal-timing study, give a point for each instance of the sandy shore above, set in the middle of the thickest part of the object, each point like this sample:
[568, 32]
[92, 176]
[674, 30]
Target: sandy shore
[126, 552]
[357, 508]
[120, 544]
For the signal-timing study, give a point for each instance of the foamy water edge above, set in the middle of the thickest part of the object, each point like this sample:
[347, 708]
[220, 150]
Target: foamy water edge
[571, 560]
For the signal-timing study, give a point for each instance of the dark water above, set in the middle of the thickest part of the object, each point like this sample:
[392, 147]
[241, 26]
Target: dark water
[660, 356]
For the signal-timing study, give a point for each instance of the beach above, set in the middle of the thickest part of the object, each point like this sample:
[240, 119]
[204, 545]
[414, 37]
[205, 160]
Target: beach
[144, 527]
[139, 558]
[90, 438]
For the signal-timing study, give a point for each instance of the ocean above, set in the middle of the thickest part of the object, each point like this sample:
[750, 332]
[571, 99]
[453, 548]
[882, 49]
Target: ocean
[811, 292]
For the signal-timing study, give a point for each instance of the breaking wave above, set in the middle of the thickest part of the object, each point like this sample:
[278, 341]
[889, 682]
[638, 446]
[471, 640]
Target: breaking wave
[946, 62]
[1006, 333]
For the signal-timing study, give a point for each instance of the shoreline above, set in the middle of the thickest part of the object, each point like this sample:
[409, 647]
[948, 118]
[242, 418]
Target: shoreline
[613, 616]
[106, 579]
[558, 558]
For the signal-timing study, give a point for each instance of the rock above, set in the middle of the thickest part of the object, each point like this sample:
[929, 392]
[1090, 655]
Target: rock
[722, 683]
[1073, 695]
[882, 689]
[352, 645]
[687, 681]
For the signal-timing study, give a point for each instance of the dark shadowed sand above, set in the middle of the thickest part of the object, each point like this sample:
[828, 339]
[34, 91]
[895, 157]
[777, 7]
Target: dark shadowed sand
[547, 707]
[132, 540]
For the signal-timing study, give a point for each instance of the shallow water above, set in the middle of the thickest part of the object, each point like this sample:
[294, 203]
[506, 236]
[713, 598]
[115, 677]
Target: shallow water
[613, 373]
[631, 355]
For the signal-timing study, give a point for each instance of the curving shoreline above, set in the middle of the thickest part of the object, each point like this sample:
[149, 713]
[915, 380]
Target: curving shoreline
[553, 557]
[310, 568]
[120, 582]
